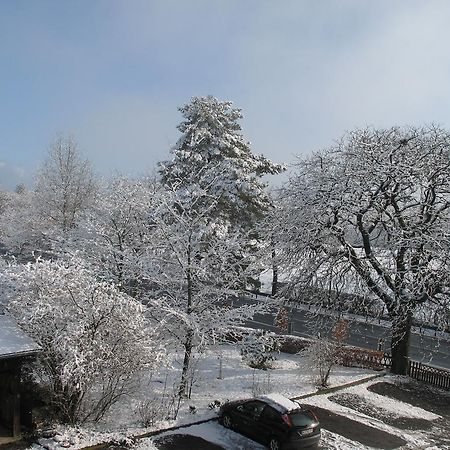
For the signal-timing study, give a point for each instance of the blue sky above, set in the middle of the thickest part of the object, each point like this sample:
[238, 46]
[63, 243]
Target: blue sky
[113, 73]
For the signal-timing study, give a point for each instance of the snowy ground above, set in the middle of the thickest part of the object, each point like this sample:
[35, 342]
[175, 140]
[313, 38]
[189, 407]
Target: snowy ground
[369, 415]
[370, 429]
[289, 376]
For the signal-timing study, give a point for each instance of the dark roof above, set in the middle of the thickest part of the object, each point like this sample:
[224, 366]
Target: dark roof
[14, 341]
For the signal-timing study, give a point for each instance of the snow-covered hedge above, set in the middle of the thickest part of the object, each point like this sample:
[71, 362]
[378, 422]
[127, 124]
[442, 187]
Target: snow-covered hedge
[348, 355]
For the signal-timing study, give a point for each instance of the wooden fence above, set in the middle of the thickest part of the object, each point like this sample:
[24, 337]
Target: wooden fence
[429, 374]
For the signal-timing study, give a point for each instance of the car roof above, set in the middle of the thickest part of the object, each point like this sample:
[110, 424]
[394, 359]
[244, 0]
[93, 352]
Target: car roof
[279, 402]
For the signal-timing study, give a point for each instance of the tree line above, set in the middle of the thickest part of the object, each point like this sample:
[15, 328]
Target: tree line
[104, 273]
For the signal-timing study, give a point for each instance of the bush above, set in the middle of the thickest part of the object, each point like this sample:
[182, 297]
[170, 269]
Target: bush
[361, 357]
[258, 348]
[94, 338]
[150, 412]
[320, 356]
[292, 344]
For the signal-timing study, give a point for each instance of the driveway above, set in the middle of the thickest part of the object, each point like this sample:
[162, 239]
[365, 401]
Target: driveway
[340, 432]
[185, 442]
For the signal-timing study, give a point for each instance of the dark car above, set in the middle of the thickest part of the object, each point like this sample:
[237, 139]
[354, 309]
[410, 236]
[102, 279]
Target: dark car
[272, 420]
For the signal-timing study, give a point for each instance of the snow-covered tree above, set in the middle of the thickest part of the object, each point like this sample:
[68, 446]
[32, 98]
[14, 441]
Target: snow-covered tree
[194, 268]
[4, 200]
[94, 338]
[38, 221]
[370, 217]
[213, 155]
[215, 195]
[117, 230]
[22, 231]
[65, 185]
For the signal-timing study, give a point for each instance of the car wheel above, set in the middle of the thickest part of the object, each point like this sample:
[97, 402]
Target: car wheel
[227, 422]
[274, 444]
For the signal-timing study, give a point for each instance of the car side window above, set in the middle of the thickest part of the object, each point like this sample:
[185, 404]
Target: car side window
[269, 414]
[254, 408]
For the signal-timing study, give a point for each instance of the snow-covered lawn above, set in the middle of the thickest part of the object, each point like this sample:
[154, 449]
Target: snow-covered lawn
[289, 376]
[415, 438]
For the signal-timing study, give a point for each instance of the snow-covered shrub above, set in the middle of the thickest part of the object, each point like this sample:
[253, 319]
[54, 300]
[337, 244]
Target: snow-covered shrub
[292, 344]
[320, 357]
[156, 408]
[94, 338]
[257, 349]
[261, 385]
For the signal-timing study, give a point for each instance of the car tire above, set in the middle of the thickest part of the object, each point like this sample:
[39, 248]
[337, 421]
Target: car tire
[226, 421]
[274, 444]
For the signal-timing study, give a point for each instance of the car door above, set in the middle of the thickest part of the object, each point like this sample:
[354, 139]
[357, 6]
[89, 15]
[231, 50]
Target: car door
[247, 416]
[270, 424]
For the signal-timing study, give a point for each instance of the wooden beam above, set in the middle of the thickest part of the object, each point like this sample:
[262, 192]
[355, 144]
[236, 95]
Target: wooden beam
[16, 415]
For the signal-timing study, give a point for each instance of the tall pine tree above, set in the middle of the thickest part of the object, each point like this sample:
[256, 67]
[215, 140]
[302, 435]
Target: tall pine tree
[212, 155]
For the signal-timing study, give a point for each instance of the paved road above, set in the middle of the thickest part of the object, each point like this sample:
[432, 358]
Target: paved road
[185, 442]
[206, 436]
[426, 349]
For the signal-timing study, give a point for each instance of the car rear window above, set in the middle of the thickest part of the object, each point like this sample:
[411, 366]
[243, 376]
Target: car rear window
[302, 418]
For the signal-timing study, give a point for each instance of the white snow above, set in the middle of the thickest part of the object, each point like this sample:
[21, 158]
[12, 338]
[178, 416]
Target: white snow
[13, 341]
[280, 402]
[415, 439]
[288, 378]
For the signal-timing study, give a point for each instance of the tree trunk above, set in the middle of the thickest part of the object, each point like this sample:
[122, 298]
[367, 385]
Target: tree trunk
[186, 361]
[275, 281]
[188, 343]
[401, 332]
[274, 269]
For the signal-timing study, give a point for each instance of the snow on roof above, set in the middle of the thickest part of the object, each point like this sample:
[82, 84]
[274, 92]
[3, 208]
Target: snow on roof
[13, 341]
[280, 402]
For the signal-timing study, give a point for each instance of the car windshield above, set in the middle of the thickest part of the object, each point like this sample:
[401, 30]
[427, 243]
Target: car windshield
[302, 418]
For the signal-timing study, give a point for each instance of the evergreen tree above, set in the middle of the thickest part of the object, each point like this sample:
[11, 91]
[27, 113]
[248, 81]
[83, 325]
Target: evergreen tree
[213, 156]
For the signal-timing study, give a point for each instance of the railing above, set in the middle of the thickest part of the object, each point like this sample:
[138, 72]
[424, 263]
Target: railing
[429, 374]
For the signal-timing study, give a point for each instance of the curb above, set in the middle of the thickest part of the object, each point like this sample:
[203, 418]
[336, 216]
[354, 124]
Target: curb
[137, 437]
[341, 386]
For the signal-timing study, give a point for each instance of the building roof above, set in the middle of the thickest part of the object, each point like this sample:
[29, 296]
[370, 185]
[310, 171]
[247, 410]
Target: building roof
[14, 341]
